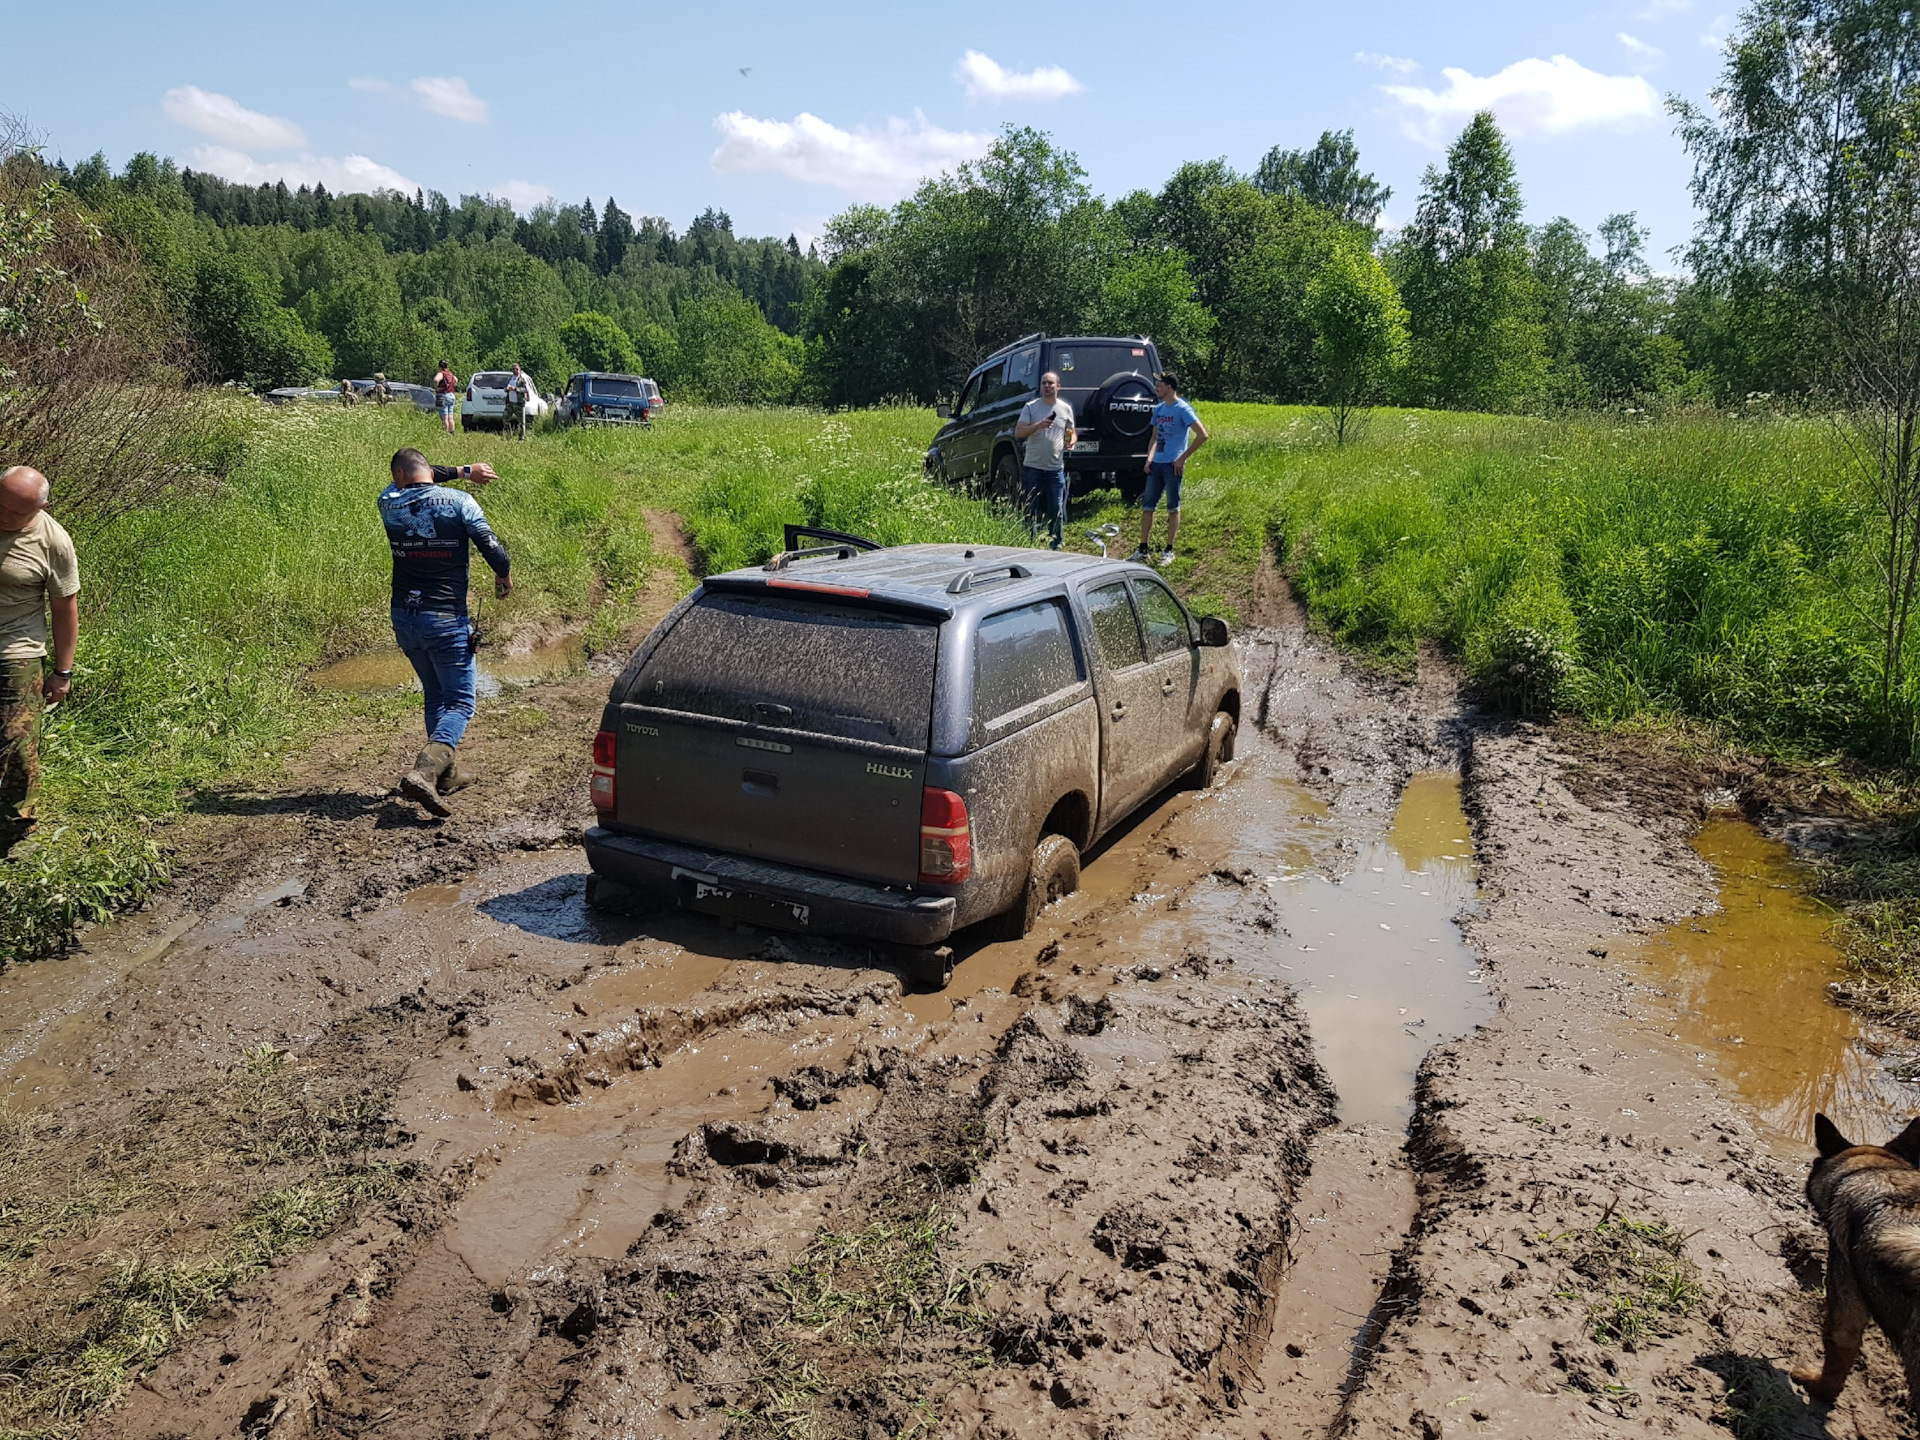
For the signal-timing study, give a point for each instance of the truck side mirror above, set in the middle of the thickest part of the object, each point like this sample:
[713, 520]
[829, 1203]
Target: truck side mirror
[1213, 630]
[944, 411]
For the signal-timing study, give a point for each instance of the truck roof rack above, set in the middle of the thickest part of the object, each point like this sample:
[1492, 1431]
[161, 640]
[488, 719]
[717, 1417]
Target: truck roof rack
[840, 545]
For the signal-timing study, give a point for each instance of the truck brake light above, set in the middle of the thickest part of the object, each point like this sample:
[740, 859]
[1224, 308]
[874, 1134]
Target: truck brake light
[946, 838]
[604, 745]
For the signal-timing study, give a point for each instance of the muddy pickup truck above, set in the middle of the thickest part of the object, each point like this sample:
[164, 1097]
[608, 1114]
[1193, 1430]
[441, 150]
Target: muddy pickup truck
[898, 743]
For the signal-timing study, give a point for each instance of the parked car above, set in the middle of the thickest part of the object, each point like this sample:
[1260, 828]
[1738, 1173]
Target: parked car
[485, 405]
[594, 397]
[1107, 379]
[399, 390]
[899, 743]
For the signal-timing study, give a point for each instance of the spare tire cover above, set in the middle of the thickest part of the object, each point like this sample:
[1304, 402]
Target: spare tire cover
[1125, 405]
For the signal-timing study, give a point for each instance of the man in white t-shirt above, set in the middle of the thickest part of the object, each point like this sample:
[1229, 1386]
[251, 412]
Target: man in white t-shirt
[1046, 425]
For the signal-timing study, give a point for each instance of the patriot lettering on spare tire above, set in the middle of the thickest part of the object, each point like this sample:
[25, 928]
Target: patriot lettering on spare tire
[1107, 379]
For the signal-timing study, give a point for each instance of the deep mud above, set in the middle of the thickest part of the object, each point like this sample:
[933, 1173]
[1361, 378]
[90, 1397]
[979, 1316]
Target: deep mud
[1246, 1140]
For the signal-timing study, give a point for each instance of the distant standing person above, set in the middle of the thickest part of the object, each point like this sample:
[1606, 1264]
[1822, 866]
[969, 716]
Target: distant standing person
[429, 527]
[446, 392]
[1167, 456]
[520, 392]
[39, 577]
[1046, 425]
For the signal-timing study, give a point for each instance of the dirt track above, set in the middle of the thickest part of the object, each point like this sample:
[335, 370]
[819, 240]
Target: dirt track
[671, 1178]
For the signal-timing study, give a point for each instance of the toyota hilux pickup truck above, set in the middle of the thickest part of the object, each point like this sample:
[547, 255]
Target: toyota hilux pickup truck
[898, 743]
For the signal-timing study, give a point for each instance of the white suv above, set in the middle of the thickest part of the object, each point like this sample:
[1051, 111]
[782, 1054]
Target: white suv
[486, 402]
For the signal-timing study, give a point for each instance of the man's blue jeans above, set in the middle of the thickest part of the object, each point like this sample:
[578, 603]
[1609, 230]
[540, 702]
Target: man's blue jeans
[1046, 497]
[441, 649]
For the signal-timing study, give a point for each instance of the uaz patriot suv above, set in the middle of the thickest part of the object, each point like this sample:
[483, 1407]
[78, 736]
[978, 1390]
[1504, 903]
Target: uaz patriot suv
[1107, 379]
[897, 743]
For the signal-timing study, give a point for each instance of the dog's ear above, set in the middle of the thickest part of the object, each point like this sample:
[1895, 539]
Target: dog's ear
[1907, 1143]
[1827, 1138]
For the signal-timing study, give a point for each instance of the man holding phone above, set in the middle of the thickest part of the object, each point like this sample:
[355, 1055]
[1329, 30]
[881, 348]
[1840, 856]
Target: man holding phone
[1046, 425]
[429, 528]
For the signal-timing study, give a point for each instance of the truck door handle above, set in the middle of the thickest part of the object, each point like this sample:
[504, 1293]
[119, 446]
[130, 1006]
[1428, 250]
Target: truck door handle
[1166, 686]
[1119, 710]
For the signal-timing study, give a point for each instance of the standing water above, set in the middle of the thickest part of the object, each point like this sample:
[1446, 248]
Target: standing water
[1749, 990]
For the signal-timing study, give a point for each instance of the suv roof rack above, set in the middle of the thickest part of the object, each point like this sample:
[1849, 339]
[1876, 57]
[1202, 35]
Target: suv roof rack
[1016, 344]
[840, 545]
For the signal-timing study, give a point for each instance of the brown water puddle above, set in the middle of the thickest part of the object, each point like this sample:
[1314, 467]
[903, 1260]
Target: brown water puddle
[1749, 991]
[1383, 971]
[391, 670]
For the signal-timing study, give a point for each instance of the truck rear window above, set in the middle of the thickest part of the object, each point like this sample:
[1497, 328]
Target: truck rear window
[831, 669]
[625, 389]
[1088, 367]
[1021, 656]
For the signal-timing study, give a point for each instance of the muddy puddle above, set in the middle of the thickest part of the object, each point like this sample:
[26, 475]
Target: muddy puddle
[1380, 963]
[390, 670]
[1748, 985]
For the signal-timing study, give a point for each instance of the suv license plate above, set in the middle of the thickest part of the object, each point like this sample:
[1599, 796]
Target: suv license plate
[734, 904]
[1080, 447]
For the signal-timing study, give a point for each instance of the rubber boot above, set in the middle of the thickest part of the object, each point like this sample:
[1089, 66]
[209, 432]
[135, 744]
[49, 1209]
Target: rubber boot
[456, 775]
[421, 784]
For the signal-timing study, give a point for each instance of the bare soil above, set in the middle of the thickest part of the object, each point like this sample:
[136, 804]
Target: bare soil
[656, 1176]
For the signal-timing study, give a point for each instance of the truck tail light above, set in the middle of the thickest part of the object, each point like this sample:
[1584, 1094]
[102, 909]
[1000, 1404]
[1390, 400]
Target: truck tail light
[602, 786]
[946, 838]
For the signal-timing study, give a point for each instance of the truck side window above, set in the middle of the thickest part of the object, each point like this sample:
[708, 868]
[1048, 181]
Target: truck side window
[982, 390]
[1114, 625]
[1020, 656]
[1023, 372]
[1166, 622]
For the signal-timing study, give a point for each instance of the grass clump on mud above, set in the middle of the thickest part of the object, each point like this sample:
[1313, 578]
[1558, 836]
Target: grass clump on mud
[113, 1248]
[1634, 1277]
[851, 1299]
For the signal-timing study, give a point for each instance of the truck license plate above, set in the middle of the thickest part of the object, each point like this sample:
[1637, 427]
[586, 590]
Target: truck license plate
[1080, 446]
[730, 903]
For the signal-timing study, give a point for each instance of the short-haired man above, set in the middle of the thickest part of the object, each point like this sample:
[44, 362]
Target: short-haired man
[429, 527]
[39, 577]
[1046, 425]
[1173, 423]
[446, 394]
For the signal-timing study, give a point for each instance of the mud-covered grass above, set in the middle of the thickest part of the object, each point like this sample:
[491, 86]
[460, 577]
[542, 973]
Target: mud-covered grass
[110, 1252]
[1634, 1277]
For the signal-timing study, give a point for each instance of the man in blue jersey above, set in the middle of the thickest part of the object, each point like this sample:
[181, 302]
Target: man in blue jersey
[429, 527]
[1167, 455]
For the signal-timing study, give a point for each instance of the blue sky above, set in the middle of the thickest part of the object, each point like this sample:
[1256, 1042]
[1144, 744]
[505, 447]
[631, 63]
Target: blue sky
[783, 114]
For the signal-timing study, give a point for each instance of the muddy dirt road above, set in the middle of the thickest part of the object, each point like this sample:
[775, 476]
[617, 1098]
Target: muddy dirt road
[1363, 1094]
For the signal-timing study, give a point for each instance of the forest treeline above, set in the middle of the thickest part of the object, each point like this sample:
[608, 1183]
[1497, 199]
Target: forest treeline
[1269, 284]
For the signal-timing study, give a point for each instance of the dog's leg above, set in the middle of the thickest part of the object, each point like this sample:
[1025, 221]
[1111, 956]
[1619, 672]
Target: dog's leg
[1842, 1334]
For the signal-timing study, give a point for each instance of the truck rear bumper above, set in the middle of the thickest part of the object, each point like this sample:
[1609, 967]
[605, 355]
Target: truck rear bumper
[777, 896]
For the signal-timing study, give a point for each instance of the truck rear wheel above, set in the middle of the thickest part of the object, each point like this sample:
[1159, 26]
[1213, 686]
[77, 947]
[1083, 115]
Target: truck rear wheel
[1053, 874]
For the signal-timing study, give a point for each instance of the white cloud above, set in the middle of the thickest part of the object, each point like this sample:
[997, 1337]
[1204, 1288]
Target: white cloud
[448, 95]
[522, 195]
[371, 83]
[343, 175]
[1661, 9]
[1533, 95]
[1640, 49]
[987, 79]
[1716, 33]
[873, 164]
[225, 118]
[1386, 62]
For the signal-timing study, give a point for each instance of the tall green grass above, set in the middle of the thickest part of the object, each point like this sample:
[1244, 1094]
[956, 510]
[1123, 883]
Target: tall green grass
[1698, 566]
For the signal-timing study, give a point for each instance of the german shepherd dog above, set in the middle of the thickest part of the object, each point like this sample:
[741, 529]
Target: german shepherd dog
[1869, 1197]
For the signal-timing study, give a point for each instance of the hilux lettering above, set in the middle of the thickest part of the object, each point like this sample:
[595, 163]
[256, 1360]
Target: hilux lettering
[892, 772]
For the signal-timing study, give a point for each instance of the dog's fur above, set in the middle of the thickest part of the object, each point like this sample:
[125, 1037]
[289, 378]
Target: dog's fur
[1869, 1198]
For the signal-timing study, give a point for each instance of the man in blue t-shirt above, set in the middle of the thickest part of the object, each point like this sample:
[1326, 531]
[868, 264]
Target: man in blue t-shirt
[1173, 423]
[429, 528]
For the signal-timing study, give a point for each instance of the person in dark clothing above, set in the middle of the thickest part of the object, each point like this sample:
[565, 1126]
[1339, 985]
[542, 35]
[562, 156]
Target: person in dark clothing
[429, 527]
